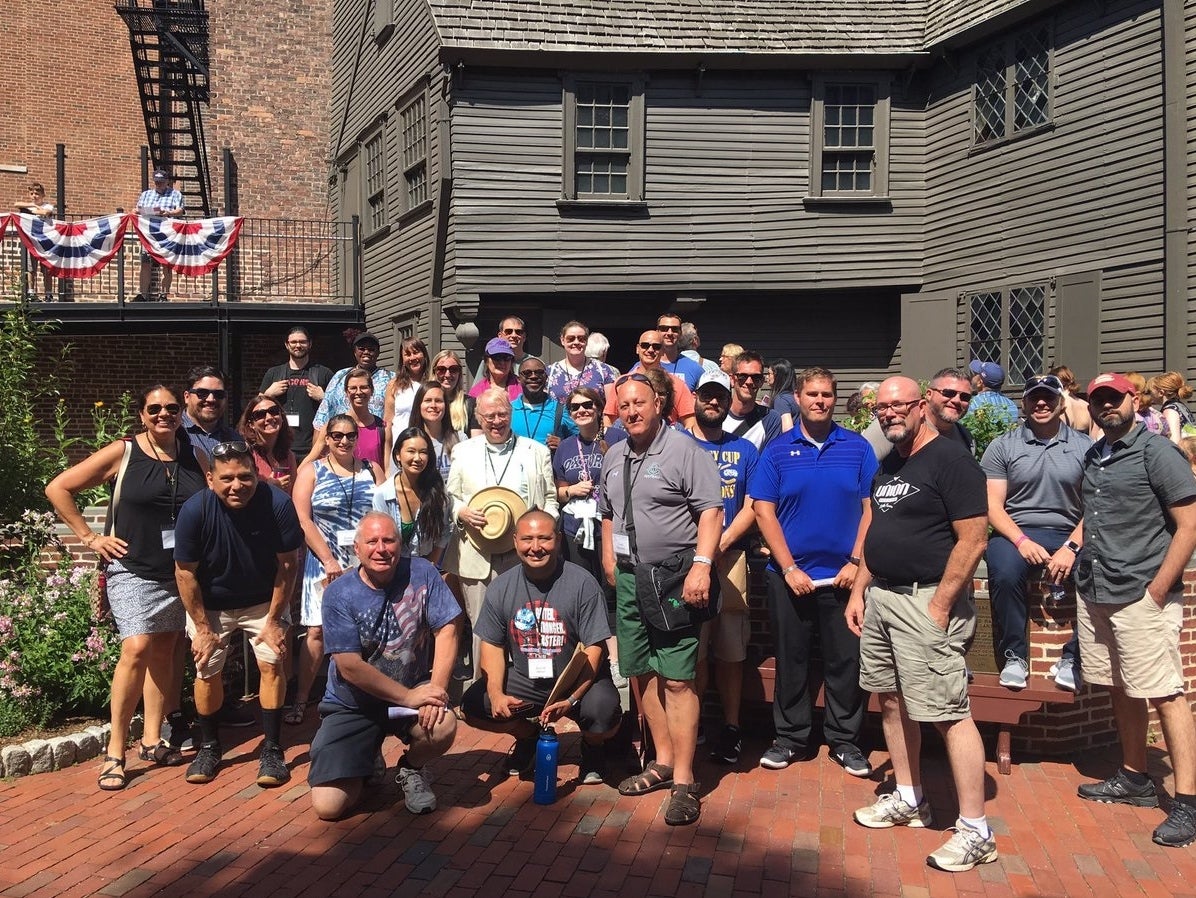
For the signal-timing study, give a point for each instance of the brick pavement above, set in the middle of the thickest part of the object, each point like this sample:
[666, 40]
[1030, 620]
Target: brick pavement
[762, 833]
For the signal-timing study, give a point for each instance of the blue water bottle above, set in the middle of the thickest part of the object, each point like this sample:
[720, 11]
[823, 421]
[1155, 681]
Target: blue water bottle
[546, 765]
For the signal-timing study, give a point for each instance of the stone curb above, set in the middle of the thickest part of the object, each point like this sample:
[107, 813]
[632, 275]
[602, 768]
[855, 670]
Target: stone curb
[59, 752]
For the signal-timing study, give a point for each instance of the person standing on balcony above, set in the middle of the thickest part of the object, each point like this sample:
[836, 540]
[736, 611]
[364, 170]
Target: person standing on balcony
[160, 201]
[39, 206]
[298, 385]
[336, 401]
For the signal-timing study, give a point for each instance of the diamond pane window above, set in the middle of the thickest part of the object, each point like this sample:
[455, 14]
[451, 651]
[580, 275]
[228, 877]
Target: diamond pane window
[1032, 83]
[985, 342]
[1012, 92]
[1009, 327]
[990, 97]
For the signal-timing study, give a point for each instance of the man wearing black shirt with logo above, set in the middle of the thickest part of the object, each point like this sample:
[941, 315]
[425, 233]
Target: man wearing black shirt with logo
[298, 384]
[912, 607]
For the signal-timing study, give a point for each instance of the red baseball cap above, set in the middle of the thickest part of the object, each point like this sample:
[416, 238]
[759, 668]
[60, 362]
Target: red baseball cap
[1110, 381]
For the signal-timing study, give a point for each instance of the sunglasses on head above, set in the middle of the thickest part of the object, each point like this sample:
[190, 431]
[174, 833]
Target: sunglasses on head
[964, 395]
[636, 376]
[204, 393]
[231, 449]
[447, 369]
[171, 408]
[337, 436]
[1050, 381]
[656, 347]
[262, 414]
[586, 405]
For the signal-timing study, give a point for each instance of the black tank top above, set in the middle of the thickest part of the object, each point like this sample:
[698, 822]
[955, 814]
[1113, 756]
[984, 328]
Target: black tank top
[151, 495]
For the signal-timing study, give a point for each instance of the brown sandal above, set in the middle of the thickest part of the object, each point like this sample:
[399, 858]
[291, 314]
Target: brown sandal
[112, 777]
[684, 807]
[295, 716]
[162, 754]
[654, 776]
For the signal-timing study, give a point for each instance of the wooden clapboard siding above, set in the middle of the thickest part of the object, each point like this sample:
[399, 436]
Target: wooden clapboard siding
[1131, 318]
[726, 171]
[1086, 195]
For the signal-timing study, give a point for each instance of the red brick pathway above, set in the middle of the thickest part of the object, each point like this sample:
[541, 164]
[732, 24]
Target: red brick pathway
[762, 833]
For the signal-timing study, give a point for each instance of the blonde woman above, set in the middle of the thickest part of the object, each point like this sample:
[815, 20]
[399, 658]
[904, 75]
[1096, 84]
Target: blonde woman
[450, 373]
[1170, 392]
[1150, 418]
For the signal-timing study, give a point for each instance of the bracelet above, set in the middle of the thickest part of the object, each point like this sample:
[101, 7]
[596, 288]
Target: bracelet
[792, 567]
[702, 559]
[574, 702]
[1021, 539]
[89, 539]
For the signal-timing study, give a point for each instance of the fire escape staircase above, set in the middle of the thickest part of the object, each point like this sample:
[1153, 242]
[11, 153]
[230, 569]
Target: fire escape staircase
[169, 40]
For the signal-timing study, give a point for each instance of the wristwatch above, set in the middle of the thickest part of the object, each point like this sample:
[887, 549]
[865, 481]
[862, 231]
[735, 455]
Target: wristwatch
[1073, 545]
[854, 559]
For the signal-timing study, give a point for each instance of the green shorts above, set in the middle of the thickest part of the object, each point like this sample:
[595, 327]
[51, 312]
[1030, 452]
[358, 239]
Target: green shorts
[673, 654]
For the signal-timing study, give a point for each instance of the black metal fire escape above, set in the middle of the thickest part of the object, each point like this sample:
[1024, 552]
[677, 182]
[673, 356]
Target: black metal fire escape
[169, 39]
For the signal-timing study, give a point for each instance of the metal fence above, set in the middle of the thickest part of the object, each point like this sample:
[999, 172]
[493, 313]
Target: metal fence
[275, 261]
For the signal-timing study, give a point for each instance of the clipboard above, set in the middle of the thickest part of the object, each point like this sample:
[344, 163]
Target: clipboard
[569, 676]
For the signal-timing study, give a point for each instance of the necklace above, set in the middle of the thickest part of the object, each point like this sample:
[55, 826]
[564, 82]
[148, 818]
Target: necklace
[171, 476]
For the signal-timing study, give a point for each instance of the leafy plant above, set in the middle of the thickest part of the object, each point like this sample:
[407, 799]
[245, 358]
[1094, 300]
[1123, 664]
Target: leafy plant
[985, 424]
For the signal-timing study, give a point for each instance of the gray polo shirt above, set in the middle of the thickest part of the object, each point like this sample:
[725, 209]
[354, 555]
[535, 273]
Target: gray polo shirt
[1042, 476]
[672, 483]
[1127, 529]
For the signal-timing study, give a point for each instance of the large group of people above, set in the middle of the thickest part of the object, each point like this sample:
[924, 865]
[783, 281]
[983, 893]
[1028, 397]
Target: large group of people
[506, 552]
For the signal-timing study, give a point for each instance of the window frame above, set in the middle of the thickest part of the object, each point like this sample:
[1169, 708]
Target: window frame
[373, 227]
[880, 150]
[1006, 45]
[635, 150]
[1006, 339]
[420, 163]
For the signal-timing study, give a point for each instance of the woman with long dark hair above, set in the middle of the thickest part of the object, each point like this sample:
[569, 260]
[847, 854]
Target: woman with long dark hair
[430, 414]
[155, 472]
[332, 495]
[400, 392]
[416, 498]
[264, 427]
[783, 402]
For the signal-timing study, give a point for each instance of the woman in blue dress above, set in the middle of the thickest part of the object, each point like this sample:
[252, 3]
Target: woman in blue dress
[331, 496]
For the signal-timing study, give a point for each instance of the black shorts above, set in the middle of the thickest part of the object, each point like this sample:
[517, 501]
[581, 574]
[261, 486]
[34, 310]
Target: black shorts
[598, 711]
[348, 741]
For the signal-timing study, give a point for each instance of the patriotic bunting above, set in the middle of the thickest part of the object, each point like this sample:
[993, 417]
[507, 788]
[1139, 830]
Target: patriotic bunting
[189, 247]
[79, 249]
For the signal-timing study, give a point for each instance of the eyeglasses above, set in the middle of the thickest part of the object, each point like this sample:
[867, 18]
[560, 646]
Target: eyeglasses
[585, 406]
[706, 394]
[1049, 381]
[512, 331]
[655, 347]
[533, 374]
[230, 449]
[495, 416]
[668, 328]
[964, 395]
[900, 408]
[749, 377]
[263, 413]
[447, 369]
[337, 436]
[203, 393]
[171, 408]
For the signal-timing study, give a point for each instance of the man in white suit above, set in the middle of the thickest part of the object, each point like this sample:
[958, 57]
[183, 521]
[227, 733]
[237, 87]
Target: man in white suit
[496, 458]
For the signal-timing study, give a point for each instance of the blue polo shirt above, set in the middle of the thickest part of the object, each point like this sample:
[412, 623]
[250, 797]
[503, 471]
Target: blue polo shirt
[818, 494]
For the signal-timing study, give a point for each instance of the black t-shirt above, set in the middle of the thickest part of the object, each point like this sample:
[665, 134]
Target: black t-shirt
[914, 501]
[296, 401]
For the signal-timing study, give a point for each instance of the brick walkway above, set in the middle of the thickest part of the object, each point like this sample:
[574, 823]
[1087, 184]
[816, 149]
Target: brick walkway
[761, 833]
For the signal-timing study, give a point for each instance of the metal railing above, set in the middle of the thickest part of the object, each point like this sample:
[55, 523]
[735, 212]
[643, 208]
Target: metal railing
[275, 261]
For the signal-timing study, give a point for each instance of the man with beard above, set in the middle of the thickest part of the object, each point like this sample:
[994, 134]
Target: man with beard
[298, 384]
[810, 496]
[206, 400]
[1139, 533]
[536, 615]
[726, 637]
[912, 608]
[947, 400]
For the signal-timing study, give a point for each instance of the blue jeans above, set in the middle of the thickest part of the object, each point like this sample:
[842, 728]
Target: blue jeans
[1007, 575]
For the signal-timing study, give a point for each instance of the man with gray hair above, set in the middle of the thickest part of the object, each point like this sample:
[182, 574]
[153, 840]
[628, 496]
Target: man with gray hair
[690, 342]
[947, 400]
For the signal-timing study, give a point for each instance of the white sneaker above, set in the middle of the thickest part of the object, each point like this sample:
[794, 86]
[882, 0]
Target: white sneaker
[616, 676]
[1067, 674]
[964, 850]
[1015, 672]
[417, 789]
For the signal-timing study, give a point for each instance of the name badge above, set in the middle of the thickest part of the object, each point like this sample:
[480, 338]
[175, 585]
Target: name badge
[622, 545]
[345, 537]
[539, 668]
[293, 420]
[168, 539]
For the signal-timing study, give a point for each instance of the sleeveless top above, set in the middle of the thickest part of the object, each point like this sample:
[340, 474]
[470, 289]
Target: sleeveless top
[151, 494]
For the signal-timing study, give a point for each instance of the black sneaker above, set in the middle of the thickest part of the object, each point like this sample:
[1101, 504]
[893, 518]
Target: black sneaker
[778, 757]
[235, 714]
[1118, 789]
[521, 757]
[272, 768]
[1179, 829]
[852, 760]
[593, 764]
[727, 745]
[207, 762]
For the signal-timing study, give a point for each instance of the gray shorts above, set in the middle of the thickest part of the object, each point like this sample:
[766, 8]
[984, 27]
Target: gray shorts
[142, 606]
[903, 650]
[349, 740]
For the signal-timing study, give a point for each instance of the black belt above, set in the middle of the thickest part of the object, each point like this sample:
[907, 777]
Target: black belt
[908, 589]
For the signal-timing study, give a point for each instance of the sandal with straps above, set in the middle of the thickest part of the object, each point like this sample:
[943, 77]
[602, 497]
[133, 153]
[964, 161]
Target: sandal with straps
[684, 806]
[112, 777]
[654, 776]
[162, 754]
[294, 717]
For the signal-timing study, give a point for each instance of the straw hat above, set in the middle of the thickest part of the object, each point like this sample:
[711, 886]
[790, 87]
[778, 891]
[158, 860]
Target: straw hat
[502, 508]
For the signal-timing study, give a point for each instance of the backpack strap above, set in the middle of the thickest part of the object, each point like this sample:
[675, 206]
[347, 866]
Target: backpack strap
[754, 417]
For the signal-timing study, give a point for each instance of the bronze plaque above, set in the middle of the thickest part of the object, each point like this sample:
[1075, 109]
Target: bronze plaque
[981, 656]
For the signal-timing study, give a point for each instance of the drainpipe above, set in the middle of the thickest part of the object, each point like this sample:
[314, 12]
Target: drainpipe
[1175, 192]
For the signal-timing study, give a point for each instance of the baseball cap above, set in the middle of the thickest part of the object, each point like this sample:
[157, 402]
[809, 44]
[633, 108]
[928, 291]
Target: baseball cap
[366, 337]
[160, 175]
[991, 373]
[714, 377]
[499, 346]
[1109, 381]
[1048, 382]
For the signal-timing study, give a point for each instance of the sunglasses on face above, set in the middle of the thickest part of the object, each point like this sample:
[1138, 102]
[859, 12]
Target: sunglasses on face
[171, 408]
[575, 339]
[262, 414]
[447, 369]
[368, 348]
[584, 406]
[964, 395]
[203, 394]
[749, 378]
[512, 331]
[338, 436]
[654, 347]
[230, 449]
[669, 327]
[533, 374]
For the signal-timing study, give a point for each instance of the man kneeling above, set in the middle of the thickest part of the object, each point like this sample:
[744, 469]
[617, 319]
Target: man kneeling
[538, 613]
[385, 624]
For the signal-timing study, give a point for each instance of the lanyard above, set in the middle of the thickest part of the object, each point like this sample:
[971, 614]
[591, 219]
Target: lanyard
[490, 460]
[350, 494]
[531, 433]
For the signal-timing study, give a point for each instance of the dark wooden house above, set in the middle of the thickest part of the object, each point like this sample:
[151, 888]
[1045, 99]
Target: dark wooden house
[876, 187]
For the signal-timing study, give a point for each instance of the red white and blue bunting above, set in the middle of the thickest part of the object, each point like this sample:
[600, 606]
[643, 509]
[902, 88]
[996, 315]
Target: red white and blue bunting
[79, 249]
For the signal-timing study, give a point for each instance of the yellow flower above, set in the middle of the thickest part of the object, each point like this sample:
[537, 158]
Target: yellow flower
[99, 404]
